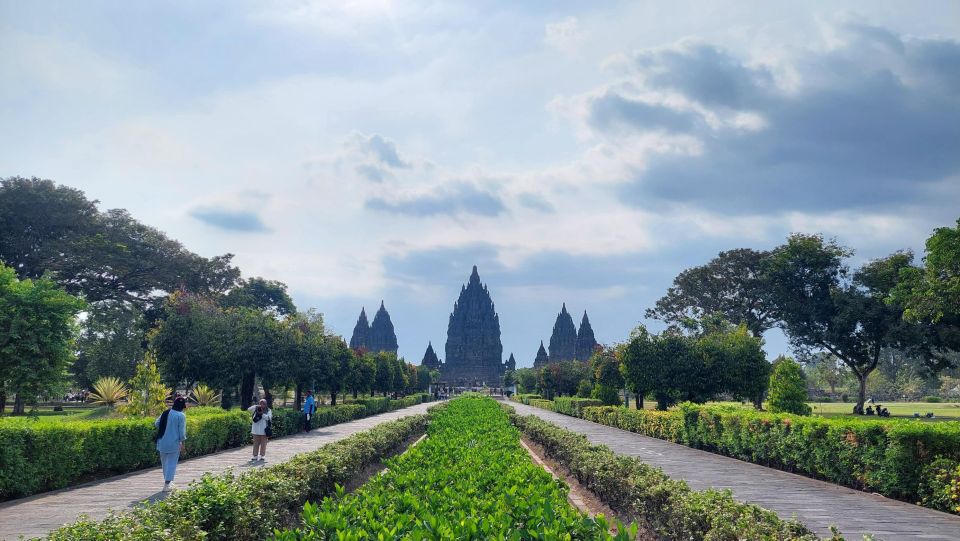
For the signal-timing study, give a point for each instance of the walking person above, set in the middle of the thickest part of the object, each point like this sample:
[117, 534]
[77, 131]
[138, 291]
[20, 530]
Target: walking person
[309, 408]
[260, 428]
[171, 433]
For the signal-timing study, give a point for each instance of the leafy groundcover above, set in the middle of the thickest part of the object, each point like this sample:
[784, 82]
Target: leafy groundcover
[470, 479]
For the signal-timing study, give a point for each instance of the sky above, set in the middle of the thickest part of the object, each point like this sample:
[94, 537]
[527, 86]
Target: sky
[576, 152]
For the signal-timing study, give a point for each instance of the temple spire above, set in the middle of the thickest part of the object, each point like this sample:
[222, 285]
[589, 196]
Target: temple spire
[474, 351]
[542, 357]
[586, 341]
[563, 341]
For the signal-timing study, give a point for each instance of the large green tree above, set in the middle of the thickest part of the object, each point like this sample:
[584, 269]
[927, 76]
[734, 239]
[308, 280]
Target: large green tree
[732, 284]
[636, 355]
[930, 297]
[824, 307]
[110, 344]
[37, 328]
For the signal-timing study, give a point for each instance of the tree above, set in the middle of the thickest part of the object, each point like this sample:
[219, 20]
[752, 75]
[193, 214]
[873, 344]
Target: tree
[823, 308]
[526, 379]
[637, 356]
[37, 328]
[734, 362]
[733, 284]
[606, 376]
[260, 294]
[788, 388]
[930, 297]
[110, 344]
[827, 370]
[338, 374]
[383, 380]
[147, 392]
[363, 371]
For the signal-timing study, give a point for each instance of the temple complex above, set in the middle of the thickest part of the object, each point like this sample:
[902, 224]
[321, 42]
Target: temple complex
[474, 351]
[375, 337]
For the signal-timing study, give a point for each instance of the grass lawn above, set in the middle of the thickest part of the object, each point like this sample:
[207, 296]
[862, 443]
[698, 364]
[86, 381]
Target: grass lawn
[944, 411]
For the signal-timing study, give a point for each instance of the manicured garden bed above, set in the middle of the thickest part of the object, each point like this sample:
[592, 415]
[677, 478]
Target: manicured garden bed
[470, 479]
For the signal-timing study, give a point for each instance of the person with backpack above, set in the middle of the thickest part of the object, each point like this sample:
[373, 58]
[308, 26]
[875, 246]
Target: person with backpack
[261, 429]
[309, 408]
[171, 433]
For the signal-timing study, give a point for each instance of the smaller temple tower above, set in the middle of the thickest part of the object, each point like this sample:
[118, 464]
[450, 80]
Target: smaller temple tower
[430, 360]
[379, 336]
[563, 341]
[361, 332]
[586, 341]
[542, 358]
[511, 363]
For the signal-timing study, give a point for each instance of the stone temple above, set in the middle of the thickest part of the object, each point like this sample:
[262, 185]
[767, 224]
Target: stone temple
[566, 342]
[375, 337]
[474, 351]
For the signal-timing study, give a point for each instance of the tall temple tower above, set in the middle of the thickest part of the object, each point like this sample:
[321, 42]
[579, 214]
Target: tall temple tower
[361, 332]
[586, 341]
[382, 335]
[563, 341]
[474, 351]
[375, 337]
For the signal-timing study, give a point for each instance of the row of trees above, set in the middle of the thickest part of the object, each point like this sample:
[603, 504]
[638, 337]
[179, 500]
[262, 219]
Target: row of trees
[231, 345]
[706, 358]
[806, 288]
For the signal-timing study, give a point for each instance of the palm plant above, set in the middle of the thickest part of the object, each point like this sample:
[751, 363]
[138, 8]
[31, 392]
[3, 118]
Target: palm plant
[107, 391]
[203, 395]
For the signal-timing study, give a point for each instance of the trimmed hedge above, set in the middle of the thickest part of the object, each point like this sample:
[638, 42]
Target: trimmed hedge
[252, 505]
[37, 457]
[573, 405]
[668, 507]
[891, 457]
[525, 398]
[541, 403]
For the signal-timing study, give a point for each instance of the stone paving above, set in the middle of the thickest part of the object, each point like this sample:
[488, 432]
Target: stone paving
[36, 516]
[817, 504]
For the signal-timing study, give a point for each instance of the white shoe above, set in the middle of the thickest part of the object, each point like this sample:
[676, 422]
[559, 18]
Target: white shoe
[168, 487]
[262, 458]
[254, 459]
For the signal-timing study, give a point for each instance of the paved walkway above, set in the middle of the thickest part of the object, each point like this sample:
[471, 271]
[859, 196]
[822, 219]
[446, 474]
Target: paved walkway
[817, 504]
[36, 516]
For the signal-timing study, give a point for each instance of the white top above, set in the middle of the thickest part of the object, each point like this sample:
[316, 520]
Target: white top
[258, 428]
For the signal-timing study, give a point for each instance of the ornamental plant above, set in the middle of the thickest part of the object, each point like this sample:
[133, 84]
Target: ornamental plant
[108, 391]
[788, 389]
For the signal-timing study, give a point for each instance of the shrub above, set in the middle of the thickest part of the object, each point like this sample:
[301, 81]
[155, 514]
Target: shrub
[940, 485]
[108, 391]
[667, 507]
[541, 403]
[525, 398]
[203, 395]
[249, 506]
[788, 390]
[885, 456]
[606, 394]
[932, 399]
[573, 406]
[585, 388]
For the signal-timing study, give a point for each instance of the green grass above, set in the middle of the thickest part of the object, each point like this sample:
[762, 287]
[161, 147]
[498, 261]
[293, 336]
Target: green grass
[944, 411]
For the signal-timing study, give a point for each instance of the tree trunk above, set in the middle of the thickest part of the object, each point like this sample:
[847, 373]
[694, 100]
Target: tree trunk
[298, 396]
[333, 398]
[246, 389]
[662, 402]
[18, 404]
[3, 401]
[862, 395]
[354, 394]
[269, 397]
[638, 400]
[758, 402]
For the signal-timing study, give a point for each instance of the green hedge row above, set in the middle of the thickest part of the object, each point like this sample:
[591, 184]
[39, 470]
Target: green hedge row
[896, 458]
[525, 398]
[37, 457]
[668, 507]
[573, 405]
[252, 505]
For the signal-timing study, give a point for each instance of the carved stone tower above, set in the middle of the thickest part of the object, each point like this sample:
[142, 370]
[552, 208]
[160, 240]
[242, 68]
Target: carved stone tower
[474, 351]
[563, 341]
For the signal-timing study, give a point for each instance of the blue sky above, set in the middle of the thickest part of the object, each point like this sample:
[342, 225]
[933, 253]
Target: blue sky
[576, 152]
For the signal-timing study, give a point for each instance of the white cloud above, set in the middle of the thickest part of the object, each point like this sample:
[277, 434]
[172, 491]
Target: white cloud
[565, 35]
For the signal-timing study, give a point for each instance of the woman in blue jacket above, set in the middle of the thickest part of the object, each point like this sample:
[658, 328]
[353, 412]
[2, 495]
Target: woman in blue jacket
[171, 433]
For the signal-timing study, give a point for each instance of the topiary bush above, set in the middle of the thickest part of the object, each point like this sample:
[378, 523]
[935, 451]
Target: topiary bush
[788, 389]
[932, 399]
[573, 405]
